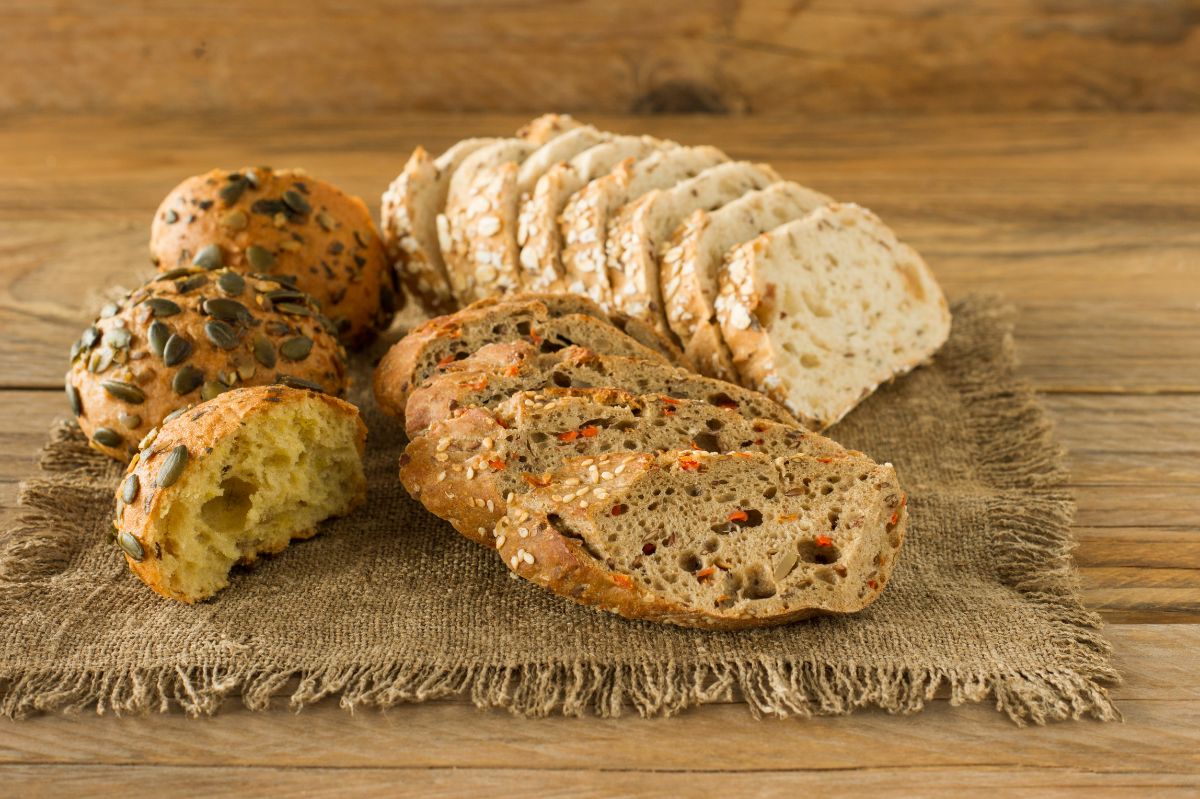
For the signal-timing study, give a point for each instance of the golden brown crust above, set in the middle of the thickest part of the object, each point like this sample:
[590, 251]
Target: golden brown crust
[124, 384]
[199, 430]
[283, 223]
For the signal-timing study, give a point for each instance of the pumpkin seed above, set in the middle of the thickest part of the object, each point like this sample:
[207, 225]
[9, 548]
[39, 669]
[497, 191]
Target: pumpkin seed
[228, 379]
[171, 274]
[264, 351]
[296, 349]
[296, 202]
[187, 380]
[172, 466]
[191, 284]
[131, 546]
[286, 295]
[286, 280]
[231, 283]
[246, 371]
[268, 207]
[106, 436]
[259, 257]
[175, 414]
[171, 217]
[226, 310]
[117, 338]
[108, 309]
[292, 308]
[126, 392]
[231, 191]
[235, 219]
[129, 489]
[220, 334]
[326, 221]
[76, 348]
[148, 439]
[209, 257]
[74, 399]
[90, 337]
[290, 246]
[161, 306]
[298, 382]
[176, 350]
[157, 336]
[129, 420]
[210, 389]
[100, 360]
[358, 238]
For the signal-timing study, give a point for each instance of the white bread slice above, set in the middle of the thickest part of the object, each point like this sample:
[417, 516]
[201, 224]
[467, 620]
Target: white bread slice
[690, 261]
[637, 231]
[584, 222]
[820, 311]
[542, 129]
[409, 211]
[538, 233]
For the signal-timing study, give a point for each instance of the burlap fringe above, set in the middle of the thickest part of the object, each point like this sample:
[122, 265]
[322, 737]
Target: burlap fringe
[1016, 453]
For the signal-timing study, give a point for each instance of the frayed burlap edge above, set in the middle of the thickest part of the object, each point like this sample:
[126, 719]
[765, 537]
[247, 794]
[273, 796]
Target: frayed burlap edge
[1016, 453]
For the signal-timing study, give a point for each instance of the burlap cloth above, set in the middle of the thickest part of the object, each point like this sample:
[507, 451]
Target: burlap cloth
[392, 606]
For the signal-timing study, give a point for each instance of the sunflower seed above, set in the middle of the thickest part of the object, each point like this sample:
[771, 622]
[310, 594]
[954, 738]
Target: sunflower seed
[129, 420]
[290, 246]
[292, 308]
[126, 392]
[296, 349]
[129, 489]
[228, 379]
[191, 284]
[231, 191]
[187, 380]
[176, 350]
[74, 399]
[171, 217]
[296, 202]
[172, 466]
[161, 306]
[298, 382]
[326, 221]
[148, 439]
[131, 546]
[209, 257]
[259, 257]
[264, 351]
[210, 389]
[106, 436]
[175, 414]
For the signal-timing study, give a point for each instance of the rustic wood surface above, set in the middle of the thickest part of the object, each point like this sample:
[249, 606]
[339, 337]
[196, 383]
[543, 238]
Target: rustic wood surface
[1088, 223]
[757, 56]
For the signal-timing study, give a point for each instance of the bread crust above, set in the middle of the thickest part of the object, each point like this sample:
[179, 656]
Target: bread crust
[200, 430]
[121, 350]
[325, 238]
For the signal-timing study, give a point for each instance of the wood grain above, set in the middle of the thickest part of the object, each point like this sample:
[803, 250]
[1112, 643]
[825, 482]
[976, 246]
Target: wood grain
[756, 56]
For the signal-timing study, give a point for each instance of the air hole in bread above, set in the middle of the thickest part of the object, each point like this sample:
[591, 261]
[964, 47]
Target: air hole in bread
[810, 552]
[227, 512]
[769, 492]
[707, 442]
[561, 380]
[689, 562]
[714, 424]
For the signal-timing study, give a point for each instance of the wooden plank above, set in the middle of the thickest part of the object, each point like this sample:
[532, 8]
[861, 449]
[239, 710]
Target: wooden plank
[820, 57]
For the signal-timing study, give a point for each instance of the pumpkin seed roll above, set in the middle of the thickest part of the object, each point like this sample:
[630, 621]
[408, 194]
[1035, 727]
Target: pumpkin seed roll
[282, 222]
[187, 336]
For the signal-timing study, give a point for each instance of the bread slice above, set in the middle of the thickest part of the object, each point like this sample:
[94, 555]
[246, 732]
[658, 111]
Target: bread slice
[408, 217]
[538, 234]
[542, 129]
[561, 148]
[820, 311]
[692, 257]
[464, 468]
[584, 222]
[498, 371]
[697, 539]
[636, 232]
[445, 339]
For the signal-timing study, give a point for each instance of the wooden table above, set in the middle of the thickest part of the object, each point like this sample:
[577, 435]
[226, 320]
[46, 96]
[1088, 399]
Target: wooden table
[1089, 224]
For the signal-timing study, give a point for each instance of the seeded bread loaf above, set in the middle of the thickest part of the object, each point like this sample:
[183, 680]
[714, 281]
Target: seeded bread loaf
[584, 221]
[233, 479]
[282, 222]
[636, 232]
[820, 311]
[409, 212]
[464, 468]
[445, 339]
[187, 336]
[692, 258]
[498, 371]
[728, 541]
[538, 234]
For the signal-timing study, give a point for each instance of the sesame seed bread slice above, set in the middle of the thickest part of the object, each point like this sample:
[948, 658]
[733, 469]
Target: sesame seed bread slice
[440, 341]
[500, 370]
[820, 311]
[693, 256]
[720, 541]
[584, 220]
[636, 232]
[464, 468]
[542, 129]
[408, 217]
[538, 234]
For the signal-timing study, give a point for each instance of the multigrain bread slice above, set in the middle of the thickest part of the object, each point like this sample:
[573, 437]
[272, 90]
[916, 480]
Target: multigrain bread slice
[538, 233]
[542, 129]
[726, 541]
[637, 231]
[561, 148]
[408, 216]
[464, 469]
[584, 221]
[498, 371]
[820, 311]
[445, 339]
[691, 259]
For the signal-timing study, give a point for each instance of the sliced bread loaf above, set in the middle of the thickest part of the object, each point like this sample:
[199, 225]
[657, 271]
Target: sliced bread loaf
[584, 221]
[693, 256]
[702, 540]
[820, 311]
[636, 231]
[464, 468]
[542, 129]
[445, 339]
[498, 371]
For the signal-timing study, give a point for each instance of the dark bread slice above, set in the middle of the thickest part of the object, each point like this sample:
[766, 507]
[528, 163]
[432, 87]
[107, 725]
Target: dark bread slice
[464, 468]
[498, 371]
[717, 541]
